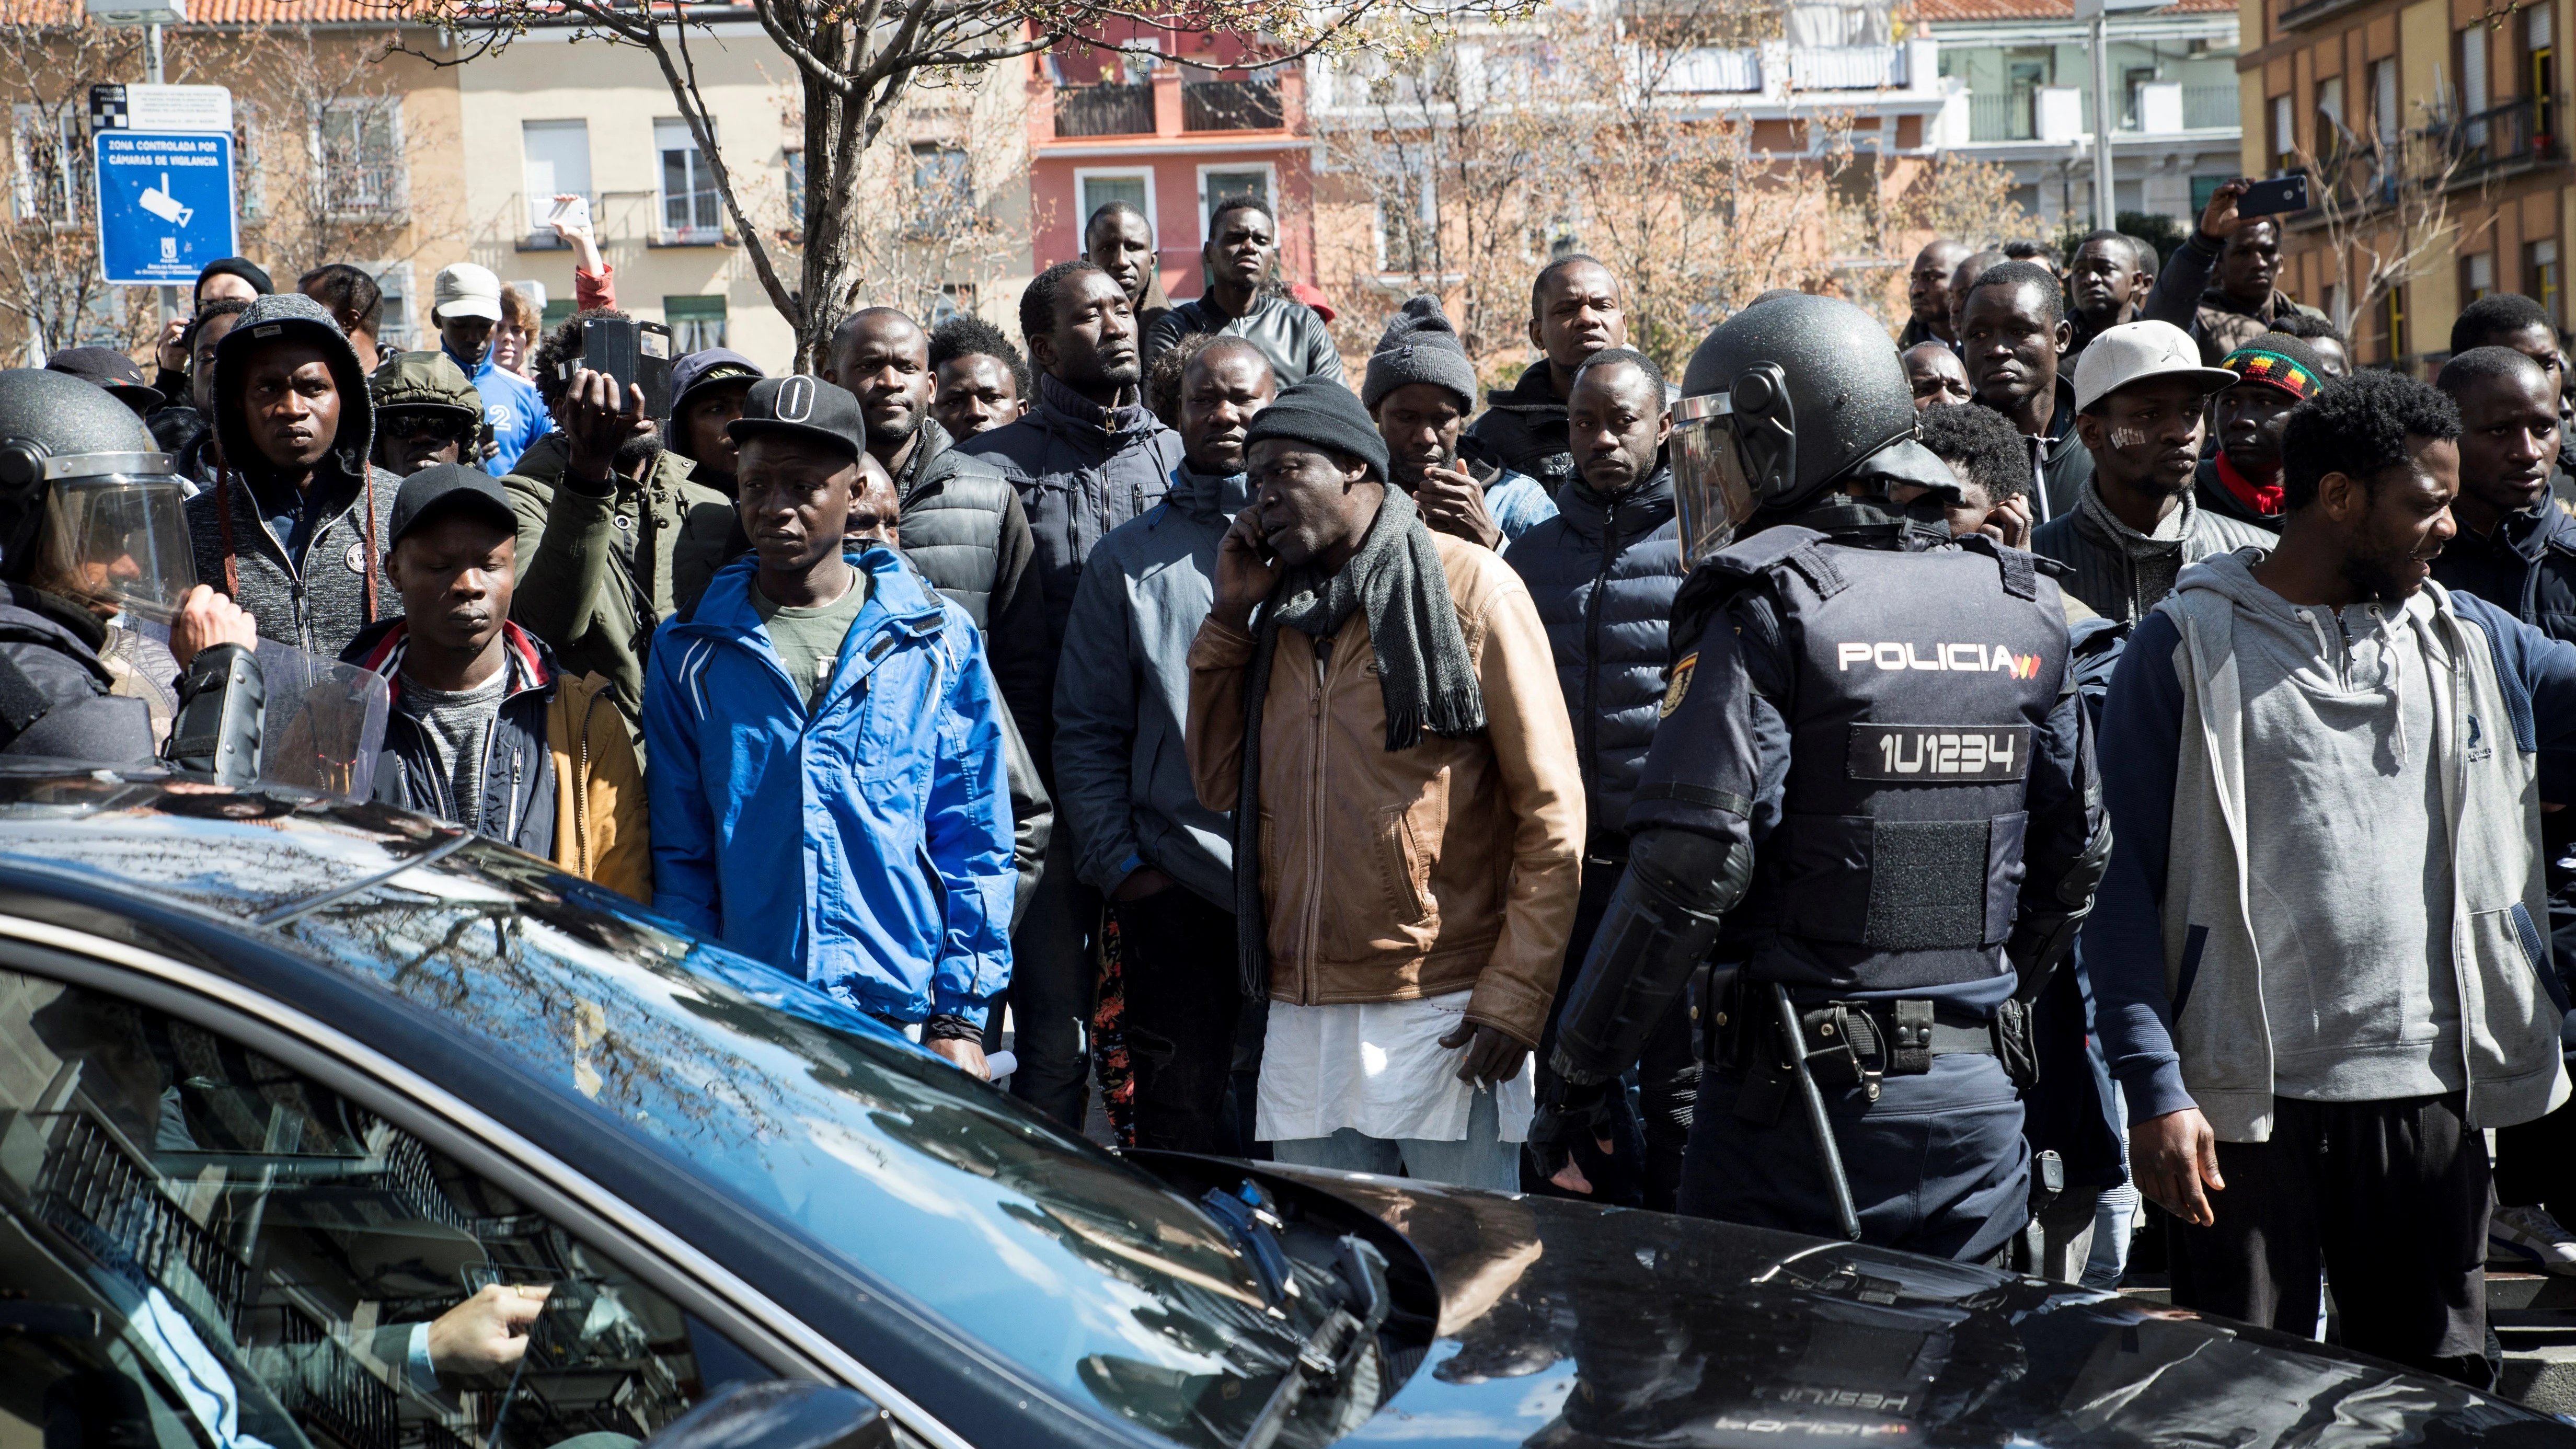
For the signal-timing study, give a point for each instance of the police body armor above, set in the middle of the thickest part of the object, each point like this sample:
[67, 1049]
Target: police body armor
[1922, 681]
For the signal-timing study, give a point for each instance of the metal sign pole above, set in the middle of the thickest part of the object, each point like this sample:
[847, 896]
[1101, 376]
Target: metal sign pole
[152, 41]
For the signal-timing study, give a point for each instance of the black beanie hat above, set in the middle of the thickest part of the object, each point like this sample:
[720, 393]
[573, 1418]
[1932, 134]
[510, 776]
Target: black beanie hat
[1419, 345]
[242, 267]
[1322, 412]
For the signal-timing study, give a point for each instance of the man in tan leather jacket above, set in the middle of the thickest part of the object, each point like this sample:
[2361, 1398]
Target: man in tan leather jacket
[1409, 855]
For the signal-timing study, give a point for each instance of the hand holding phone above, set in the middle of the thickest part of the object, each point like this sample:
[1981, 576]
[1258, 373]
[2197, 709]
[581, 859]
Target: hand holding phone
[571, 214]
[2271, 198]
[1246, 571]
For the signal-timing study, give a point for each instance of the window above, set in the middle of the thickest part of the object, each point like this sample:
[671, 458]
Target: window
[953, 299]
[558, 311]
[1408, 215]
[943, 175]
[2540, 52]
[692, 211]
[2331, 129]
[2132, 80]
[2477, 276]
[2203, 188]
[1099, 188]
[2393, 319]
[2384, 113]
[697, 323]
[2540, 274]
[358, 159]
[2285, 136]
[250, 171]
[796, 191]
[394, 280]
[220, 1239]
[1216, 186]
[2470, 47]
[50, 163]
[558, 163]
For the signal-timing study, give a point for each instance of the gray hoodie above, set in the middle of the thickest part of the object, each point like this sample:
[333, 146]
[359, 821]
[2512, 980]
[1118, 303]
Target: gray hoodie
[1122, 777]
[318, 598]
[2329, 869]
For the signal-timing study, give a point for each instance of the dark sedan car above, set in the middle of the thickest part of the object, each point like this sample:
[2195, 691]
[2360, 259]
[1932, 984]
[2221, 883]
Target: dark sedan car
[328, 1126]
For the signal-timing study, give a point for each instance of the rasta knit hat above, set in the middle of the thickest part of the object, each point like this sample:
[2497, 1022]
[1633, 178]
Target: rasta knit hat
[2279, 360]
[1322, 412]
[1419, 345]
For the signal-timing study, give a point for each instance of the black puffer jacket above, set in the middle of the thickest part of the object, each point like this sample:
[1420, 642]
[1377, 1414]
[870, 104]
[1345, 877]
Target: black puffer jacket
[1603, 573]
[1080, 471]
[319, 603]
[965, 531]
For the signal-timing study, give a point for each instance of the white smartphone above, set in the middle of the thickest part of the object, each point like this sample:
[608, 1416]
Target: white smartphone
[573, 212]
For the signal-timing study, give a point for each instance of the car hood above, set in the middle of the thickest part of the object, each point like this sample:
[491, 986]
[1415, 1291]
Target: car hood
[1567, 1324]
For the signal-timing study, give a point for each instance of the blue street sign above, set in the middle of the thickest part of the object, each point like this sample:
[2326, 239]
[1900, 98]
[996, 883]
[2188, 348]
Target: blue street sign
[165, 205]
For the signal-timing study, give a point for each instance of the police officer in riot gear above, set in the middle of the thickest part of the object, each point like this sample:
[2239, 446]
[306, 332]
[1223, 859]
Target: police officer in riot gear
[1870, 803]
[92, 542]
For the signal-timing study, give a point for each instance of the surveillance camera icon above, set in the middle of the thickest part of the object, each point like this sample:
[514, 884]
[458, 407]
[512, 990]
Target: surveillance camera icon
[158, 201]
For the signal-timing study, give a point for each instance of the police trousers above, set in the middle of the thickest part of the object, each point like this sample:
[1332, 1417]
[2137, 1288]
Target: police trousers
[1937, 1164]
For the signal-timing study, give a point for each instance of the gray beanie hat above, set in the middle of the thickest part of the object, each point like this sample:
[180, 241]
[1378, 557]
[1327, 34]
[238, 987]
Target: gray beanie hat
[1419, 346]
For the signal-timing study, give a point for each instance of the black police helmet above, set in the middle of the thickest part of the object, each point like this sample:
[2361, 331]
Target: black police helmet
[51, 415]
[1834, 373]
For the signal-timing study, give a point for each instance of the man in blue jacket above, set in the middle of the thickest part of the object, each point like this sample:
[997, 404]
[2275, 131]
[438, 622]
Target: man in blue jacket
[2317, 954]
[465, 302]
[827, 785]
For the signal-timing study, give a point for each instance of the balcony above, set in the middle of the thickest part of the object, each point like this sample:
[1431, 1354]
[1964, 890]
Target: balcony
[2018, 115]
[2011, 117]
[1713, 71]
[1847, 67]
[2517, 136]
[1105, 110]
[1229, 105]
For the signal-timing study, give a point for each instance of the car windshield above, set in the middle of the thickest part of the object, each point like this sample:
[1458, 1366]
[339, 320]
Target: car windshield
[1040, 1245]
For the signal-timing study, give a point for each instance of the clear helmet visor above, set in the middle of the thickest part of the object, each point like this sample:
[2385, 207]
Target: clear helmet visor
[116, 538]
[1712, 489]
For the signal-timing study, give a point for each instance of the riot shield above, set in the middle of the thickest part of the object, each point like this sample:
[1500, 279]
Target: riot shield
[324, 723]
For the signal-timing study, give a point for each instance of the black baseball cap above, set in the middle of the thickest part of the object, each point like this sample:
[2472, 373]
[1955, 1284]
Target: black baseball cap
[110, 369]
[800, 406]
[444, 486]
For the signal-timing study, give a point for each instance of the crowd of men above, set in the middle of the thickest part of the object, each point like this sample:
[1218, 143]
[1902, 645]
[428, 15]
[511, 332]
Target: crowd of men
[1317, 760]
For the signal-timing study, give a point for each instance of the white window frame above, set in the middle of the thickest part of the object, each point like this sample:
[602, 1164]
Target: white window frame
[396, 198]
[1425, 205]
[250, 172]
[24, 206]
[662, 229]
[1081, 174]
[539, 207]
[395, 280]
[1269, 191]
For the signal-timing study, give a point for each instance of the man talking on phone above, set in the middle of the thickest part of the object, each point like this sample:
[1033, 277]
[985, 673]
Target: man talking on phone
[1420, 387]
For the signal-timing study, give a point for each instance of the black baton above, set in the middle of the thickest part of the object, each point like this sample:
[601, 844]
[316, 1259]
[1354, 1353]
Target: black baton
[1793, 1040]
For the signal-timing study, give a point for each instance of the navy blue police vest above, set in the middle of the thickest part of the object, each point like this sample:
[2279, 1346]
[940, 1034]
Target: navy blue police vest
[1919, 683]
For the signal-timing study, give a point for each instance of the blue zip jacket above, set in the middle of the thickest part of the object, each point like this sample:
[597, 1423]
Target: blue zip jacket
[866, 848]
[511, 406]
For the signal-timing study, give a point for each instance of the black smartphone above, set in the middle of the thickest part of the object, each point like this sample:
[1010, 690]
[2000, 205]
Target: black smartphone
[2270, 198]
[636, 354]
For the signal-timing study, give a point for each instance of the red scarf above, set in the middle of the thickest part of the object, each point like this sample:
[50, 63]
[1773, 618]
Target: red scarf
[2263, 498]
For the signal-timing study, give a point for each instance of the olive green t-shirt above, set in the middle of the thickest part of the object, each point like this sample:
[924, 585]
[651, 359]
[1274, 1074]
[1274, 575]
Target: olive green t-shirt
[808, 639]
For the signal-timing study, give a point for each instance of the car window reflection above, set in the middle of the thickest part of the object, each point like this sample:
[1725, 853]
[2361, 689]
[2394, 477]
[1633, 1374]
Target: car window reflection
[203, 1248]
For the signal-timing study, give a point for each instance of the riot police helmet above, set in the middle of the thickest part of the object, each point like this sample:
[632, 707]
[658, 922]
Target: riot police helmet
[90, 507]
[1790, 397]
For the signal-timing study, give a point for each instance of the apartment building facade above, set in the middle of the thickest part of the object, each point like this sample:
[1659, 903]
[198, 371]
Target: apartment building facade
[2432, 130]
[2023, 75]
[1171, 133]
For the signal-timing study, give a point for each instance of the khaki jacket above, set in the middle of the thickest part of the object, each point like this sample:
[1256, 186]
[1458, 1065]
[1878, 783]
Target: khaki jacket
[600, 829]
[1394, 875]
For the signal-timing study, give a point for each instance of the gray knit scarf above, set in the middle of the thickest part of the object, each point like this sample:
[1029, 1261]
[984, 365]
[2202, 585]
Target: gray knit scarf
[1424, 674]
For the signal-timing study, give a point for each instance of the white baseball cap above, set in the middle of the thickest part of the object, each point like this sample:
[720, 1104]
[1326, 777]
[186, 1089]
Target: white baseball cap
[465, 290]
[2136, 351]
